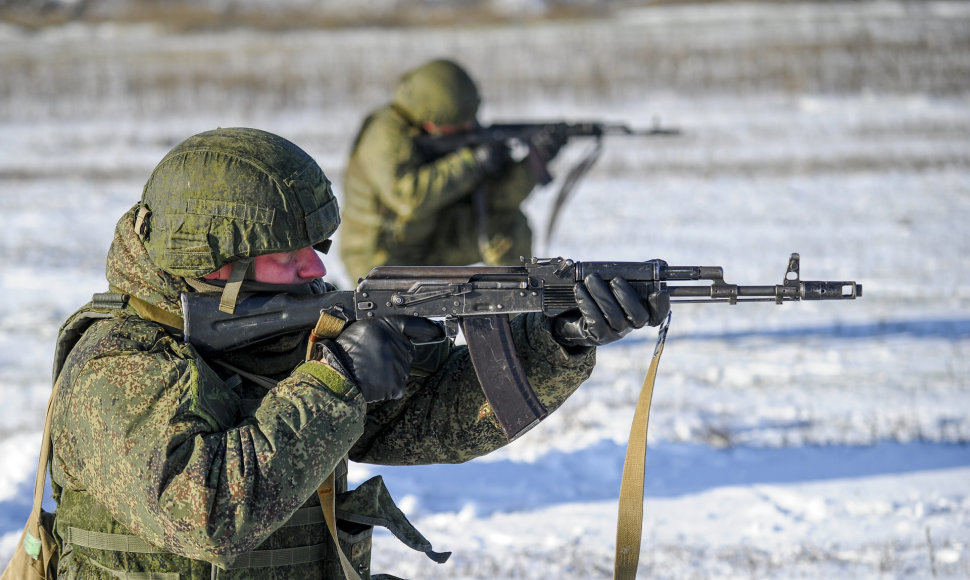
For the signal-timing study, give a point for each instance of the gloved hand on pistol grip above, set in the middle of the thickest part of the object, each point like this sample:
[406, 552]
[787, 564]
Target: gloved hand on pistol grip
[607, 312]
[376, 353]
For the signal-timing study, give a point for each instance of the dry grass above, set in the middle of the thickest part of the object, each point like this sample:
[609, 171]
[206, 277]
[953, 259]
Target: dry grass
[197, 65]
[190, 16]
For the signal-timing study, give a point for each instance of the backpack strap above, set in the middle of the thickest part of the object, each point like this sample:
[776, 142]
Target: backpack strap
[99, 308]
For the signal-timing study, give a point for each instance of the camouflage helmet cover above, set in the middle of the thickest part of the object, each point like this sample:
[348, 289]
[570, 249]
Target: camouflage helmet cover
[440, 92]
[229, 194]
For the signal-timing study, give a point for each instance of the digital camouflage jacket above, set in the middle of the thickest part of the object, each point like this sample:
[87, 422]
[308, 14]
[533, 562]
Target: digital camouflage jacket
[402, 208]
[170, 466]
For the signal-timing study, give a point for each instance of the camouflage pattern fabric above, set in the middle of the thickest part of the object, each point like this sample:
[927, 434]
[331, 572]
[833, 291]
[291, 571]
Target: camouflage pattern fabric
[151, 440]
[401, 208]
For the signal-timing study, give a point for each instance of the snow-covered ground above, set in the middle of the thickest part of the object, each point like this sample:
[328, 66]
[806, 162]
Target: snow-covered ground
[808, 440]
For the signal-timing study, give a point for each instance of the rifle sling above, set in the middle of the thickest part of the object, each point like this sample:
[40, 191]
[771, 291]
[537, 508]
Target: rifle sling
[150, 311]
[327, 495]
[328, 327]
[569, 184]
[629, 522]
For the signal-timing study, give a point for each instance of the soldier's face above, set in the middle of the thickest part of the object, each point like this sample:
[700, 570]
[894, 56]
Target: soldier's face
[297, 267]
[447, 129]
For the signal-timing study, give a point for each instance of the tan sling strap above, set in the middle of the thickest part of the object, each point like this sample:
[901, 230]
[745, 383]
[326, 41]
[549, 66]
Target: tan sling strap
[629, 520]
[327, 495]
[36, 554]
[146, 310]
[329, 327]
[33, 522]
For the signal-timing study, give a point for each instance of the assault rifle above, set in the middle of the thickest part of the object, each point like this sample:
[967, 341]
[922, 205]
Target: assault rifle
[514, 134]
[522, 135]
[479, 299]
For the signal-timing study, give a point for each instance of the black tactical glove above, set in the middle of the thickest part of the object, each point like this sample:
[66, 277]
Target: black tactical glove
[376, 354]
[492, 157]
[547, 143]
[607, 312]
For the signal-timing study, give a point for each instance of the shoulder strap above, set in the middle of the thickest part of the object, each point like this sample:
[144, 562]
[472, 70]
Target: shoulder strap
[33, 537]
[101, 306]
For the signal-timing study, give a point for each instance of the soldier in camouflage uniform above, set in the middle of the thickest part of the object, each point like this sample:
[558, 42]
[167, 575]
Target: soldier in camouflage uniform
[169, 465]
[405, 207]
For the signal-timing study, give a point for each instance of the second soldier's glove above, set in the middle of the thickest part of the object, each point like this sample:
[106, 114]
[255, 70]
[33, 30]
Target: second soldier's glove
[377, 353]
[492, 157]
[607, 312]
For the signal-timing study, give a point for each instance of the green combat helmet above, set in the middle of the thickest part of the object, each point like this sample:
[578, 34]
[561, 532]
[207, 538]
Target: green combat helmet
[229, 195]
[440, 92]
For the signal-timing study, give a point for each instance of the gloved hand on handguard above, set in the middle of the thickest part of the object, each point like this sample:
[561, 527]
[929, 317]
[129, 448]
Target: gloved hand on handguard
[607, 312]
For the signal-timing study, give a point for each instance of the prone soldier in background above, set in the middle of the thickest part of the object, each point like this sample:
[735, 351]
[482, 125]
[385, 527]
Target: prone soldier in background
[407, 205]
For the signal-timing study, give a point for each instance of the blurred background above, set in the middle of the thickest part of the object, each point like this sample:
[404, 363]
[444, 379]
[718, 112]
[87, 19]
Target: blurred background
[808, 440]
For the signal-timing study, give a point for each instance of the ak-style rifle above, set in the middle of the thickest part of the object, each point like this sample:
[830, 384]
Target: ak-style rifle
[480, 299]
[519, 135]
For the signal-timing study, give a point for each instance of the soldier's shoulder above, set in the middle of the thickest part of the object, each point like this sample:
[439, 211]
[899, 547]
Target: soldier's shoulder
[111, 343]
[386, 121]
[120, 333]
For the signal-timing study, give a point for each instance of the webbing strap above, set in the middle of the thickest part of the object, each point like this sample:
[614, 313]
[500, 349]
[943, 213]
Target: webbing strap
[629, 522]
[281, 557]
[121, 575]
[256, 559]
[305, 517]
[156, 314]
[110, 542]
[146, 310]
[327, 496]
[230, 293]
[328, 326]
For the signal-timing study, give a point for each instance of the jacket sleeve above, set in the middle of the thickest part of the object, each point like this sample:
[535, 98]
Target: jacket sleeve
[409, 187]
[445, 418]
[153, 433]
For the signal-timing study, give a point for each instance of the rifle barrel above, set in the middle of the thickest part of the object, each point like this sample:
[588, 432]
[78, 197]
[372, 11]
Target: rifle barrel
[808, 290]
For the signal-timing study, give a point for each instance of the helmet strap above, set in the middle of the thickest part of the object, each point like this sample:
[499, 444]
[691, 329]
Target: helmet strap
[230, 293]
